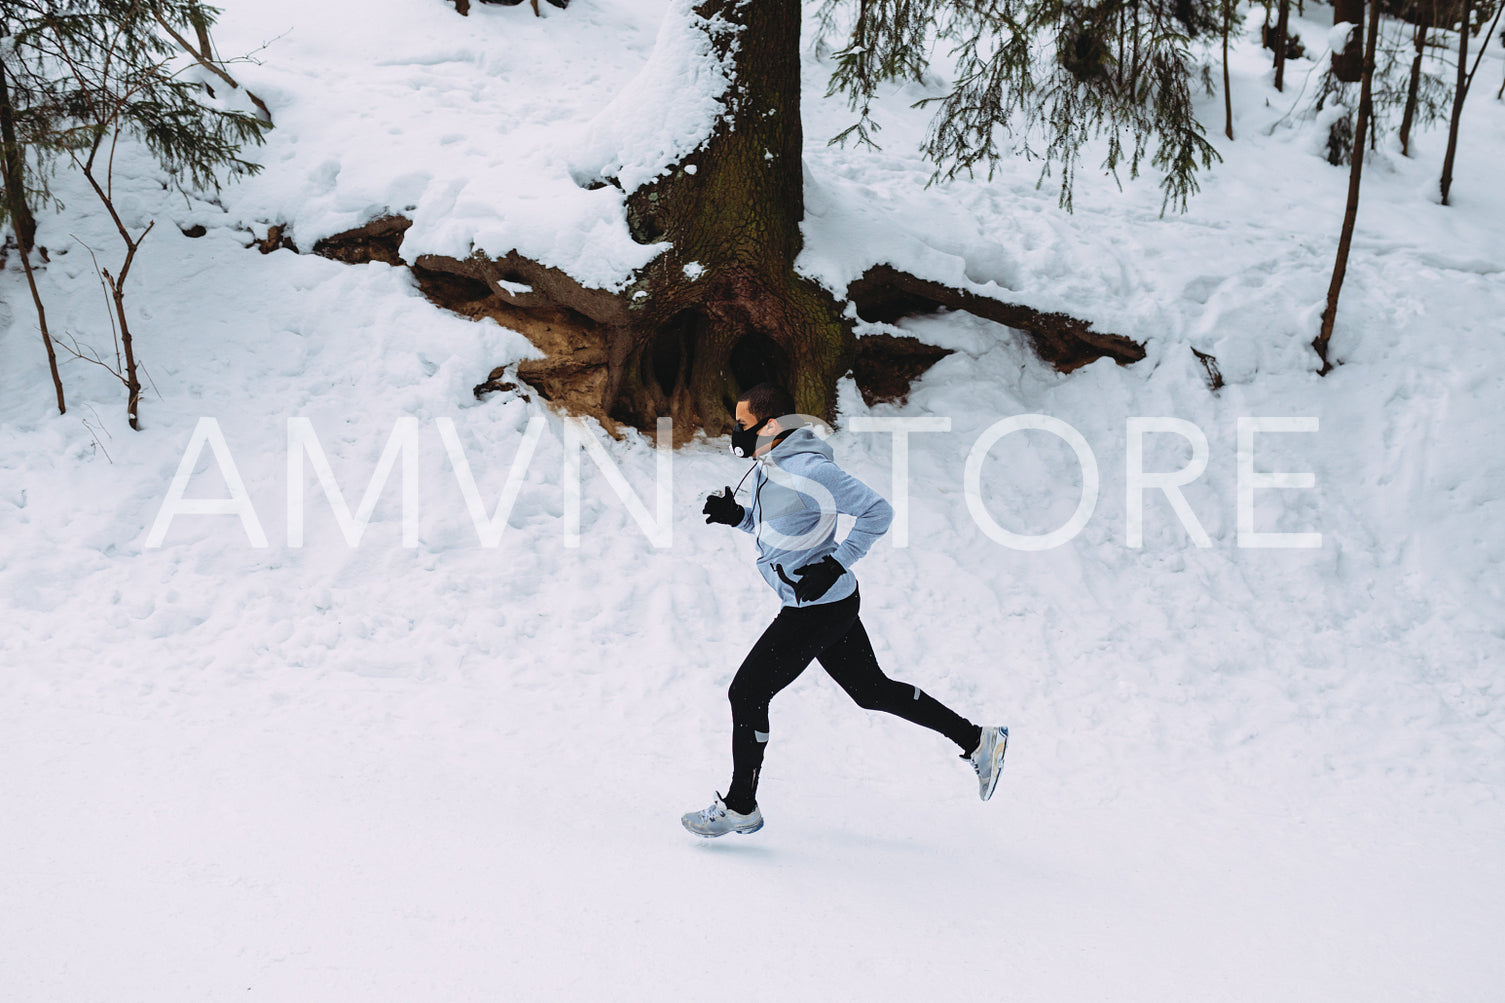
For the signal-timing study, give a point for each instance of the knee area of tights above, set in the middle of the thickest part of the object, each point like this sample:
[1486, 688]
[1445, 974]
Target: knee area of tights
[880, 697]
[746, 698]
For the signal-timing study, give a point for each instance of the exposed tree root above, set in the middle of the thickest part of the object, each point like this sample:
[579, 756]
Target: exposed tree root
[588, 336]
[885, 294]
[275, 240]
[376, 240]
[887, 364]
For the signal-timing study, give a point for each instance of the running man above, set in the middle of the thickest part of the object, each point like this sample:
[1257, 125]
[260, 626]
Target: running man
[796, 496]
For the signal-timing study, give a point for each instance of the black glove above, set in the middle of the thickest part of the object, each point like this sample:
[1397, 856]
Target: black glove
[815, 580]
[721, 508]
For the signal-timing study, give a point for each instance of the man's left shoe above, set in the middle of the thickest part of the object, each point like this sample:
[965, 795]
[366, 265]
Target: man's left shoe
[987, 759]
[718, 820]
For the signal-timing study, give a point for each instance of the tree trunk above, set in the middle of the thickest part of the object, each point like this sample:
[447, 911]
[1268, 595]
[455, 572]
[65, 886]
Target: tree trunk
[131, 379]
[1501, 92]
[1282, 27]
[21, 218]
[1351, 213]
[13, 172]
[1348, 66]
[204, 55]
[724, 308]
[117, 290]
[1412, 88]
[1227, 88]
[1459, 94]
[1118, 65]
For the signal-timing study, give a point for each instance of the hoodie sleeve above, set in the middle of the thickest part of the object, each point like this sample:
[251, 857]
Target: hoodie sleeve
[856, 499]
[749, 523]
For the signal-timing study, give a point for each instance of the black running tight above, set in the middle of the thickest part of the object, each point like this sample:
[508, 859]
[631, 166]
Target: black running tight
[832, 634]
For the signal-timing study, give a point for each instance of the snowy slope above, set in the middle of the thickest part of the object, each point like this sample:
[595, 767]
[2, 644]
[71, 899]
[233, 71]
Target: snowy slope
[454, 772]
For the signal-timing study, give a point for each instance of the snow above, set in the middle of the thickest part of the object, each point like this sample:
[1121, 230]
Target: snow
[1337, 38]
[665, 112]
[454, 770]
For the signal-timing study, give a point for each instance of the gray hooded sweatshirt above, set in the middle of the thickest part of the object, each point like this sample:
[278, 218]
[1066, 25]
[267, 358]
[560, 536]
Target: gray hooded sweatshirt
[796, 496]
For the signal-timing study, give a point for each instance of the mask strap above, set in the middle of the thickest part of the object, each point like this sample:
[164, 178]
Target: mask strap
[744, 478]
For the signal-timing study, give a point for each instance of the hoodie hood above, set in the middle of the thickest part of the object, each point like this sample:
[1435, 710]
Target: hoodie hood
[801, 441]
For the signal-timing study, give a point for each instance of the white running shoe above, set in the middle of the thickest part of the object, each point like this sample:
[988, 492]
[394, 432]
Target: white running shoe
[987, 759]
[718, 820]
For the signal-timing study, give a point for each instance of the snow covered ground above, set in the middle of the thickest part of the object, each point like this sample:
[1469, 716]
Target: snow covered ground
[455, 772]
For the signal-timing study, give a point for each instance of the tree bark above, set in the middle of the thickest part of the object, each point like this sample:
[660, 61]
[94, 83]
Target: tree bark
[1348, 66]
[1459, 94]
[1227, 87]
[22, 220]
[132, 380]
[1351, 212]
[1282, 26]
[13, 165]
[1415, 83]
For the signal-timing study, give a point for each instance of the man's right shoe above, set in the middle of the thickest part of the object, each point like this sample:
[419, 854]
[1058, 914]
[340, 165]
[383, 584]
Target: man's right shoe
[718, 820]
[987, 759]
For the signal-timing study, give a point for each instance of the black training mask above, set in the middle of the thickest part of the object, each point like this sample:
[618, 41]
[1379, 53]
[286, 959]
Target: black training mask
[745, 440]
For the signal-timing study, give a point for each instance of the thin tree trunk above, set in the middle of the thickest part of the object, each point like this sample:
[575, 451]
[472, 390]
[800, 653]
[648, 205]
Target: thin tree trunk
[1351, 213]
[1412, 89]
[15, 169]
[132, 381]
[1282, 26]
[117, 292]
[1459, 94]
[13, 165]
[1465, 81]
[1501, 92]
[204, 55]
[1118, 67]
[36, 298]
[1227, 91]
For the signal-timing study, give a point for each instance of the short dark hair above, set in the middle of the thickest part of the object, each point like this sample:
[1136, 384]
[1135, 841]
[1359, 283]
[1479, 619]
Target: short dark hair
[768, 400]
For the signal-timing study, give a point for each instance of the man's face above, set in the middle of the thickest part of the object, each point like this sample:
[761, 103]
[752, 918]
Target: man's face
[746, 419]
